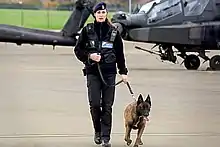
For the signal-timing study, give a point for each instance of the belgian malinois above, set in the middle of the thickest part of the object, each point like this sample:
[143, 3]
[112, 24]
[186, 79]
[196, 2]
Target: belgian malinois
[135, 116]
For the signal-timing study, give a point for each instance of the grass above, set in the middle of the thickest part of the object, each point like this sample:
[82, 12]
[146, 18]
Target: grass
[41, 19]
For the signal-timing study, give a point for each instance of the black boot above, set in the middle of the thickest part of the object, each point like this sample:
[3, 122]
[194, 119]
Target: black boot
[97, 138]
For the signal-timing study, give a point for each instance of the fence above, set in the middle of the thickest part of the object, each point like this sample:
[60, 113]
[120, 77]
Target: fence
[34, 16]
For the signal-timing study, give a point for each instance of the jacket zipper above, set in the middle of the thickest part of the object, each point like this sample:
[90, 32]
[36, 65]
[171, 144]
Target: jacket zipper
[100, 36]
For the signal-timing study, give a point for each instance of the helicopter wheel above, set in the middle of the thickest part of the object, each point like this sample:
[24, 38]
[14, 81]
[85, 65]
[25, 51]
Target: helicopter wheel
[215, 62]
[192, 62]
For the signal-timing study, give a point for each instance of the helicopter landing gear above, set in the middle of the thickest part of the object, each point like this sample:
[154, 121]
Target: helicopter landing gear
[166, 53]
[214, 62]
[192, 62]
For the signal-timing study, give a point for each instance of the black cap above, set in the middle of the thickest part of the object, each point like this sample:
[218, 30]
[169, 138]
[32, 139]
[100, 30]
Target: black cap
[99, 6]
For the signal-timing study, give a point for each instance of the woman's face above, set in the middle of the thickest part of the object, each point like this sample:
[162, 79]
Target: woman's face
[101, 15]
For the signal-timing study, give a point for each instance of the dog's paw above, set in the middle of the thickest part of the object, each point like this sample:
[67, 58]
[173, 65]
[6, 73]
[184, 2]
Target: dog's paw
[141, 143]
[129, 141]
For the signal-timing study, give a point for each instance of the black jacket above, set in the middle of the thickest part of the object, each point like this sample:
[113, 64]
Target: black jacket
[82, 52]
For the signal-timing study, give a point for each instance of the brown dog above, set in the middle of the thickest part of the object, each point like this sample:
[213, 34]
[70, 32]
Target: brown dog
[136, 115]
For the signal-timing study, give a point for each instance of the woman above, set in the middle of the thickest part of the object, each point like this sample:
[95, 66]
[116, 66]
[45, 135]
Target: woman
[100, 44]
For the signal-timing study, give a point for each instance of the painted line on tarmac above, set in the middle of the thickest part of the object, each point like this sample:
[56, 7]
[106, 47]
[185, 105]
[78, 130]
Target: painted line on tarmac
[91, 135]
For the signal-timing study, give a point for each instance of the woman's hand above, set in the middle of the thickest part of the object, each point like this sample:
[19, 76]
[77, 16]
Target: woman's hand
[95, 57]
[124, 78]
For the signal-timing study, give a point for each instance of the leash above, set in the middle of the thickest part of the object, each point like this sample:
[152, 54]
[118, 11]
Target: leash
[130, 90]
[103, 80]
[128, 85]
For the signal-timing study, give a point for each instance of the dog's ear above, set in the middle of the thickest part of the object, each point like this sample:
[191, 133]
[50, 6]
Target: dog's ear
[148, 99]
[140, 99]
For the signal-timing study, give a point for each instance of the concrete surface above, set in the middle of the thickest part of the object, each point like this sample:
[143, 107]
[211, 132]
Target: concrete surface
[43, 101]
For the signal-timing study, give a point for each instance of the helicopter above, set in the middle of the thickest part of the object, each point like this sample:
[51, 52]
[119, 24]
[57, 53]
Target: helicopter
[186, 25]
[66, 37]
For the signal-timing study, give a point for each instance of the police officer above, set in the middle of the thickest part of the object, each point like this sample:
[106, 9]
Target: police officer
[100, 45]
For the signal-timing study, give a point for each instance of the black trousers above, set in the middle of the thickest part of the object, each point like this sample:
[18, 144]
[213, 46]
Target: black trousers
[101, 99]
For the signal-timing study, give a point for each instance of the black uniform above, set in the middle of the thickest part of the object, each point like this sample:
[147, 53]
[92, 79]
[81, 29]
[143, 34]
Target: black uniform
[99, 37]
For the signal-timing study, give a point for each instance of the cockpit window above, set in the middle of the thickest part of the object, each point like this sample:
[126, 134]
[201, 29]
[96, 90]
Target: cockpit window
[146, 7]
[194, 7]
[164, 10]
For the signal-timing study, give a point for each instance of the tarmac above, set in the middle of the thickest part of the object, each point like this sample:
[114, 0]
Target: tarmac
[44, 100]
